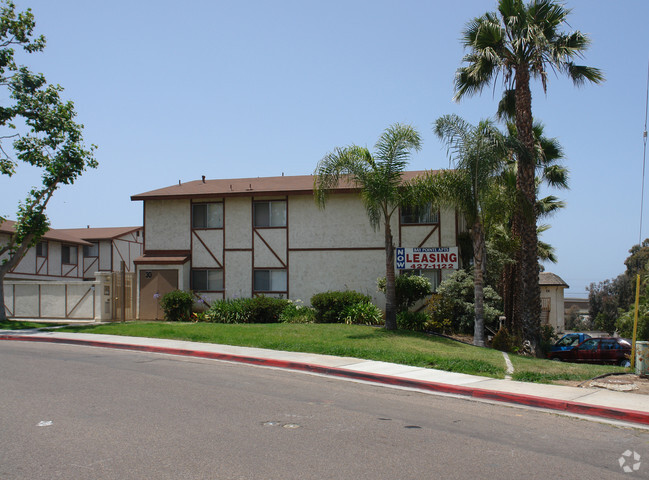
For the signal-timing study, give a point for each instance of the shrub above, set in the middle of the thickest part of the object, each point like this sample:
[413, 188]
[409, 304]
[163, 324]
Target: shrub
[415, 321]
[548, 338]
[624, 323]
[439, 308]
[503, 341]
[329, 306]
[266, 309]
[363, 313]
[295, 312]
[409, 289]
[177, 305]
[230, 311]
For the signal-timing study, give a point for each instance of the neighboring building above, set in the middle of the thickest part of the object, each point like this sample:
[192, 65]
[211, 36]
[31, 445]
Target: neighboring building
[552, 301]
[246, 237]
[76, 254]
[109, 247]
[580, 307]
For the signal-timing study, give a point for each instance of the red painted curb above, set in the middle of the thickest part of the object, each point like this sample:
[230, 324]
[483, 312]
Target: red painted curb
[632, 416]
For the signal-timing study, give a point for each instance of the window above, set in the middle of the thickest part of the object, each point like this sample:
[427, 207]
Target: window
[69, 254]
[207, 280]
[207, 215]
[432, 275]
[270, 214]
[41, 249]
[419, 215]
[91, 250]
[269, 281]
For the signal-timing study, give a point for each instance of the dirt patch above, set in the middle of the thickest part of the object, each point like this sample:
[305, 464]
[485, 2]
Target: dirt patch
[630, 383]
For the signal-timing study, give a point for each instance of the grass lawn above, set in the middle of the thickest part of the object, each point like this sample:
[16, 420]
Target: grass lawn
[359, 341]
[20, 325]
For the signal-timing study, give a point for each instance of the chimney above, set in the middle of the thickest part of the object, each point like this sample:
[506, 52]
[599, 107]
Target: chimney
[203, 178]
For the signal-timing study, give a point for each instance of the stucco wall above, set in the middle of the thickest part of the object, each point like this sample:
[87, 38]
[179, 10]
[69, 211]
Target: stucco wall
[167, 224]
[314, 272]
[213, 240]
[238, 221]
[238, 274]
[343, 223]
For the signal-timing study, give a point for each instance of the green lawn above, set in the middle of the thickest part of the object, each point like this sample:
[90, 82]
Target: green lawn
[358, 341]
[20, 325]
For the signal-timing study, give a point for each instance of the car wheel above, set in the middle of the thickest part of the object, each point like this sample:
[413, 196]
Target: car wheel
[625, 363]
[556, 359]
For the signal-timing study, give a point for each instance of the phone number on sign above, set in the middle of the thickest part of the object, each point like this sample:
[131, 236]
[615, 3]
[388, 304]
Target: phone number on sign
[430, 266]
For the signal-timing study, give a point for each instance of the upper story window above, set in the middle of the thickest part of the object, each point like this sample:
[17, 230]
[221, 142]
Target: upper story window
[270, 213]
[207, 215]
[91, 250]
[41, 249]
[69, 254]
[418, 215]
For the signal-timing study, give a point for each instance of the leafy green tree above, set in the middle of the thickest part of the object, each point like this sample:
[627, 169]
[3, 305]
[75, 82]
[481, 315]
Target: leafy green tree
[455, 304]
[521, 42]
[478, 154]
[42, 132]
[379, 178]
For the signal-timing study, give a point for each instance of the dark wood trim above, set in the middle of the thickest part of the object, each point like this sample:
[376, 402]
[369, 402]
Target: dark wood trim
[284, 266]
[252, 193]
[288, 275]
[67, 314]
[43, 263]
[96, 260]
[206, 248]
[336, 249]
[167, 253]
[67, 274]
[237, 249]
[436, 227]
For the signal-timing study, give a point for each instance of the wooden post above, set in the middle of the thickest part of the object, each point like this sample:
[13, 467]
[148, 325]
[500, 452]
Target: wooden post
[122, 266]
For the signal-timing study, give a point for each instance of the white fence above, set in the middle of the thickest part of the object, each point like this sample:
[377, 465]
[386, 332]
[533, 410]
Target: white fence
[52, 299]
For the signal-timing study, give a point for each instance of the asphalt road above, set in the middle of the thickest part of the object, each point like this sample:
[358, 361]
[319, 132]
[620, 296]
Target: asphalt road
[90, 413]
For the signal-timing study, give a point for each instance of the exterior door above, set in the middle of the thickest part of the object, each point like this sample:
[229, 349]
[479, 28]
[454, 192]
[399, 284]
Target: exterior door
[153, 285]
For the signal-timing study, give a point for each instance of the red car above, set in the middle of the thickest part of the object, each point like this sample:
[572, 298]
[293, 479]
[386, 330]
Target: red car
[597, 350]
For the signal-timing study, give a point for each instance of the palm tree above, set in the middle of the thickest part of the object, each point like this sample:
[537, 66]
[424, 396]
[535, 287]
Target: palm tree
[478, 153]
[379, 178]
[523, 41]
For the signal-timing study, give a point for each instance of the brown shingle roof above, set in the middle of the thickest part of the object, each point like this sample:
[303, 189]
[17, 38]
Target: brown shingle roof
[99, 233]
[284, 185]
[7, 226]
[551, 279]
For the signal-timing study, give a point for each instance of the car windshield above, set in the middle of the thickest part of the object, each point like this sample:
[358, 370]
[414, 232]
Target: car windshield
[568, 341]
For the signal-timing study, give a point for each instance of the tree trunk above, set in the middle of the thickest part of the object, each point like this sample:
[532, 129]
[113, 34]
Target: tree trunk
[390, 288]
[528, 294]
[477, 235]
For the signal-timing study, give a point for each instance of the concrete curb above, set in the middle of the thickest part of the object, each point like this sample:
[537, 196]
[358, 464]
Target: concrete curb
[612, 413]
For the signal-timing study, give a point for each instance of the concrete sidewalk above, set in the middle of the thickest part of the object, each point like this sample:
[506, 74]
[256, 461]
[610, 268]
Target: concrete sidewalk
[623, 407]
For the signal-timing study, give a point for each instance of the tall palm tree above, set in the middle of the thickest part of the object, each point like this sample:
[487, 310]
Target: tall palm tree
[379, 177]
[477, 154]
[523, 41]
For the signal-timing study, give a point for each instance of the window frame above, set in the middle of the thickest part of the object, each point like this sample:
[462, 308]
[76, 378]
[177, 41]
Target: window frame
[69, 249]
[43, 244]
[270, 203]
[271, 288]
[407, 212]
[207, 206]
[207, 279]
[86, 247]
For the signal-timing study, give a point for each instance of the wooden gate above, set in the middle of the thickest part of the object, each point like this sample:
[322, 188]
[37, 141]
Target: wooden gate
[124, 288]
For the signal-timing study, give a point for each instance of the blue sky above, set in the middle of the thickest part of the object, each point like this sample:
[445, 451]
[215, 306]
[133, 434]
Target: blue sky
[171, 91]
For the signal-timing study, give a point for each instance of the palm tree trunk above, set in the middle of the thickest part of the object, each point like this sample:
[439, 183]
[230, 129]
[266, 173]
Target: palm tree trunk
[528, 291]
[390, 283]
[478, 283]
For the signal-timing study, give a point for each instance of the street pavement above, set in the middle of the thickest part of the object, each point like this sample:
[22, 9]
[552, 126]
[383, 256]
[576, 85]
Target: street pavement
[624, 407]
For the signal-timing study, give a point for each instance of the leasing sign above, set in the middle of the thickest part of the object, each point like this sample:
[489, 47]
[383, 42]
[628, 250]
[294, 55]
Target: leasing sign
[427, 258]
